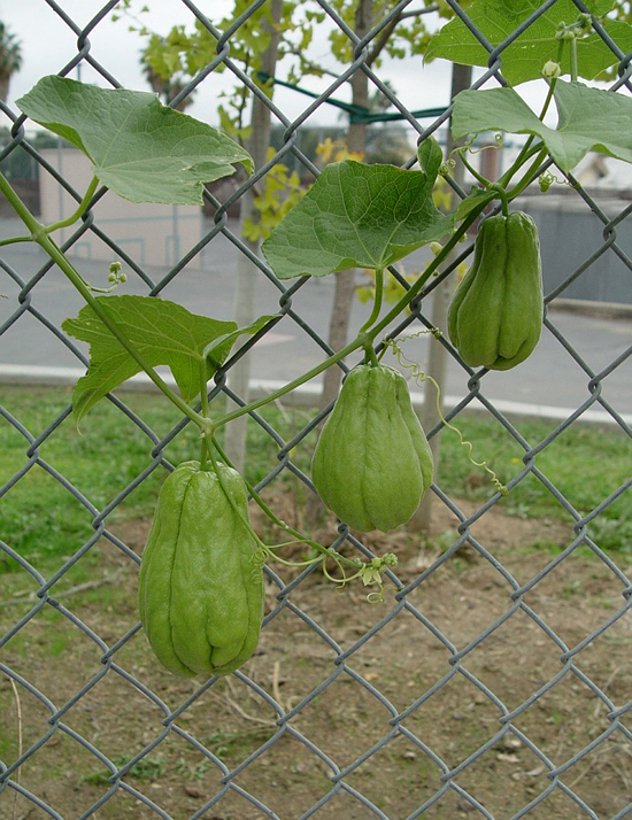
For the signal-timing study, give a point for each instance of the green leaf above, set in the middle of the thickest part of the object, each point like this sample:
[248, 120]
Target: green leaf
[216, 351]
[588, 120]
[142, 150]
[356, 215]
[430, 158]
[473, 200]
[524, 58]
[163, 332]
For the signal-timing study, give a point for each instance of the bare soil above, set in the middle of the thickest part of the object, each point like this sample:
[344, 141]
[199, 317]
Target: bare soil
[325, 717]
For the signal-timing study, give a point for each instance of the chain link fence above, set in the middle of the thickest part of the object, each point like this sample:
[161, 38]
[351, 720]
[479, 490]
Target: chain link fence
[495, 679]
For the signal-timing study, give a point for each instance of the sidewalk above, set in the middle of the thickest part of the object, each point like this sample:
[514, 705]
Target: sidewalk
[550, 383]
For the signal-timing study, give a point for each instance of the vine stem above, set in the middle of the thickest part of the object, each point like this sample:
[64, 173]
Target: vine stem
[478, 177]
[416, 288]
[377, 302]
[574, 65]
[527, 151]
[523, 157]
[282, 391]
[369, 352]
[204, 410]
[269, 551]
[12, 240]
[504, 199]
[529, 176]
[39, 234]
[550, 92]
[365, 338]
[81, 209]
[269, 512]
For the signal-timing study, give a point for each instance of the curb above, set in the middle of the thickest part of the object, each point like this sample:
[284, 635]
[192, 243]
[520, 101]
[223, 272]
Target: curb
[589, 307]
[305, 396]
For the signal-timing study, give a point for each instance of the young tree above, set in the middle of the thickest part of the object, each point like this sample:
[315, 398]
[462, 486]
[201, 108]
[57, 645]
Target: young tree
[405, 34]
[276, 30]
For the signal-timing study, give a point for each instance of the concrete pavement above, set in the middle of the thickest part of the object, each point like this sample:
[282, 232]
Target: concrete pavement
[551, 379]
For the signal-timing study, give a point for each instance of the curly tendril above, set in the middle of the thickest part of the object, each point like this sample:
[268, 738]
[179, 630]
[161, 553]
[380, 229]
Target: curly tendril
[418, 375]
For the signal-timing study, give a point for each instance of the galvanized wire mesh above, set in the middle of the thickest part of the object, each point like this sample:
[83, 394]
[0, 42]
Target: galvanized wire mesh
[329, 766]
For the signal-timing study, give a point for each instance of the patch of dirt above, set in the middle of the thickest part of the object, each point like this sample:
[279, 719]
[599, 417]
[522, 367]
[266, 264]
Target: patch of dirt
[466, 692]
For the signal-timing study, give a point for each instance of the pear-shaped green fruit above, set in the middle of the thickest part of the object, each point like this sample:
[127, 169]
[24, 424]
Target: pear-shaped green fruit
[372, 463]
[201, 591]
[495, 316]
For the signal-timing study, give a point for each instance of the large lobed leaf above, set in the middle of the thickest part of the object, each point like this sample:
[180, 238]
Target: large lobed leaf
[524, 58]
[163, 332]
[142, 150]
[357, 215]
[589, 120]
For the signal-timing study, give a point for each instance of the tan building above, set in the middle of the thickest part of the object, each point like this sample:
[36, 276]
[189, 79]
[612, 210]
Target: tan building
[151, 234]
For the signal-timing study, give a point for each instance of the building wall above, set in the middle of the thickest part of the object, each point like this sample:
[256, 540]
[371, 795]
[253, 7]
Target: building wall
[150, 234]
[570, 233]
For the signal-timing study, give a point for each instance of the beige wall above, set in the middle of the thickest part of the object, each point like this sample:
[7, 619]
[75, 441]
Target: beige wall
[150, 234]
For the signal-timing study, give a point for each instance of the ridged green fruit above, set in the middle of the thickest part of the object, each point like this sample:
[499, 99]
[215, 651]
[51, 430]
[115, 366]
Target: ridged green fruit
[200, 591]
[495, 316]
[372, 463]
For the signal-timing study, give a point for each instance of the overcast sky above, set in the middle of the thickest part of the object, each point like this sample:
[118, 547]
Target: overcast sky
[48, 44]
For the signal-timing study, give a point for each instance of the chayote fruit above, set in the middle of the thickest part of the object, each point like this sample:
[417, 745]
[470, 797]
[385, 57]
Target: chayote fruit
[495, 316]
[201, 591]
[372, 462]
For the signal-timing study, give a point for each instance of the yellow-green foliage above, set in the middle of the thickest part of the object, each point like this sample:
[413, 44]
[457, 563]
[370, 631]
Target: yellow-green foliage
[277, 193]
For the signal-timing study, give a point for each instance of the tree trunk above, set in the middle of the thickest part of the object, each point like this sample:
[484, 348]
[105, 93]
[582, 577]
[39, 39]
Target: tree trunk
[4, 88]
[244, 309]
[344, 290]
[433, 405]
[345, 280]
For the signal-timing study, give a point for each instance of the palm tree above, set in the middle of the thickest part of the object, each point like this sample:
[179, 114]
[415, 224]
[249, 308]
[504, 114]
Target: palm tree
[10, 59]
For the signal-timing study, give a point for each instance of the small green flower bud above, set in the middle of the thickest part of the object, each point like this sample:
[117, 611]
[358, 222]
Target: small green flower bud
[551, 70]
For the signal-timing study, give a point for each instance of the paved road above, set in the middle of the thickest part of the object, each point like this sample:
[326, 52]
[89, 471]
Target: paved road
[551, 377]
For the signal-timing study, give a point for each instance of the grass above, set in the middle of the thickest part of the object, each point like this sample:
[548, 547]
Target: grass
[228, 746]
[45, 523]
[583, 465]
[148, 768]
[233, 747]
